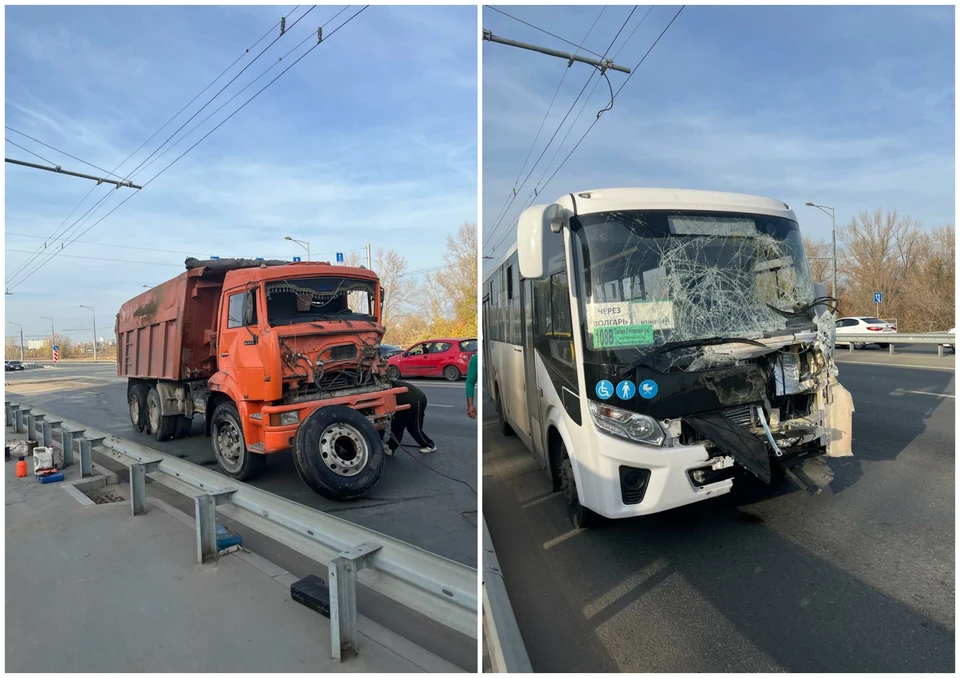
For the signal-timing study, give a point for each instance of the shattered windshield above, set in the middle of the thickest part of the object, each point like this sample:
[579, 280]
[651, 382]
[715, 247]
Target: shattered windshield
[316, 299]
[650, 278]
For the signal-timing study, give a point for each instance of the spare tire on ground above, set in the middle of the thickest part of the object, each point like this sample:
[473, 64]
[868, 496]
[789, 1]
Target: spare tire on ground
[338, 453]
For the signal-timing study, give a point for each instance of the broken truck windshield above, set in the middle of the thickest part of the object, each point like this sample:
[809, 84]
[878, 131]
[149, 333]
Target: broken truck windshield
[648, 278]
[329, 298]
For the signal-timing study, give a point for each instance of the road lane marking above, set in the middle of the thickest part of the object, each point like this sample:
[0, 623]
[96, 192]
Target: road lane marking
[548, 497]
[562, 538]
[939, 395]
[909, 367]
[432, 405]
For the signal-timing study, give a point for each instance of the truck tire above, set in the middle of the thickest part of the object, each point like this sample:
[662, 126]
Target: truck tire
[338, 453]
[137, 406]
[451, 373]
[234, 457]
[182, 426]
[160, 426]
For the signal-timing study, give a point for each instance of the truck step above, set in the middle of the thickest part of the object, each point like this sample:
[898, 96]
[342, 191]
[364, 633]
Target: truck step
[256, 448]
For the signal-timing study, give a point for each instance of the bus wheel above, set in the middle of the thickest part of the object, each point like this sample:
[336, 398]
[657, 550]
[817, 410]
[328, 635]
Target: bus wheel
[505, 428]
[338, 453]
[137, 404]
[581, 516]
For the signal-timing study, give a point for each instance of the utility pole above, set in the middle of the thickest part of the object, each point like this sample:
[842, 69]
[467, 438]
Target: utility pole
[53, 334]
[833, 221]
[602, 64]
[60, 170]
[369, 258]
[94, 331]
[21, 337]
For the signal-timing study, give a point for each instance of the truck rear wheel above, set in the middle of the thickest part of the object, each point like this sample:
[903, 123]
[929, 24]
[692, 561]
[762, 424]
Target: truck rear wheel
[137, 406]
[161, 427]
[338, 453]
[234, 457]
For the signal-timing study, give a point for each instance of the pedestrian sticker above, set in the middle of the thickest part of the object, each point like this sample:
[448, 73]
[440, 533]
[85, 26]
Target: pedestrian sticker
[604, 389]
[648, 389]
[626, 390]
[623, 335]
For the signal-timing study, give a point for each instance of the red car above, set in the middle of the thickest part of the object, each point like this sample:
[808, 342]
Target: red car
[433, 358]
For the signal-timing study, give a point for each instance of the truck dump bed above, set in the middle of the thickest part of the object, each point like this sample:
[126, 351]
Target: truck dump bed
[166, 332]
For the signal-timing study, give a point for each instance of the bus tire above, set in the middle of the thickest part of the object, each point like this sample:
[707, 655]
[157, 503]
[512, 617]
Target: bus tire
[338, 453]
[229, 447]
[580, 515]
[161, 427]
[505, 427]
[393, 372]
[137, 406]
[451, 373]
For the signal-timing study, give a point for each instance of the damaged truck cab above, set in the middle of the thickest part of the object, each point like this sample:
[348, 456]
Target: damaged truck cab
[648, 345]
[272, 356]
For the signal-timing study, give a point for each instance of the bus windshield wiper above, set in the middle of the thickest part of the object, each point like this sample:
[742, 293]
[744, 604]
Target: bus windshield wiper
[688, 343]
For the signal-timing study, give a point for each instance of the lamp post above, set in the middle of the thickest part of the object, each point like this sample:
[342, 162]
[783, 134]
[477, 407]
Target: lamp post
[305, 245]
[53, 333]
[21, 337]
[94, 330]
[833, 221]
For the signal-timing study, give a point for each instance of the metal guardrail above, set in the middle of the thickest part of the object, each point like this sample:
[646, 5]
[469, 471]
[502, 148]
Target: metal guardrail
[940, 339]
[504, 642]
[441, 589]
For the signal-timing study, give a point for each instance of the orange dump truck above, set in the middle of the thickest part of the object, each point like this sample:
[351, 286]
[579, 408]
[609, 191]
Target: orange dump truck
[272, 356]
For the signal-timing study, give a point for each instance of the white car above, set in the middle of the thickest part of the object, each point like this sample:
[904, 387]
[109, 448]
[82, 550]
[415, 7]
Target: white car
[864, 325]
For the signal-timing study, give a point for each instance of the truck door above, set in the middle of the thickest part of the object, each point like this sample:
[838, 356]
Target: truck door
[238, 342]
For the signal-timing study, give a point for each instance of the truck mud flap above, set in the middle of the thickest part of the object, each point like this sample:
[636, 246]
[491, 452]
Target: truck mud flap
[735, 440]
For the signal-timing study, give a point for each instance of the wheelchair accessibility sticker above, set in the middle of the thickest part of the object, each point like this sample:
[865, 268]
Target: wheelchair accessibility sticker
[604, 389]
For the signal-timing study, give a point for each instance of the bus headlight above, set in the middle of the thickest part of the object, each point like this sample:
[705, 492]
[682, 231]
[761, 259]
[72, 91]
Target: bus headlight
[624, 424]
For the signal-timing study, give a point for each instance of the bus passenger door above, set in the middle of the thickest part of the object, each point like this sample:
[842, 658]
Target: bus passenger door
[530, 373]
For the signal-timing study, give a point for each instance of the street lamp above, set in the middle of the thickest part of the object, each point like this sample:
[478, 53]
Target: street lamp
[305, 245]
[53, 333]
[21, 337]
[833, 221]
[94, 330]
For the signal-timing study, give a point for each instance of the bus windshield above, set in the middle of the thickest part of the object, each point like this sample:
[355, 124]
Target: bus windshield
[650, 278]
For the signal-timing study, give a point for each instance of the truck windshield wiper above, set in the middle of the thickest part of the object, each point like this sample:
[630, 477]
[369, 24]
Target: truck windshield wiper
[688, 343]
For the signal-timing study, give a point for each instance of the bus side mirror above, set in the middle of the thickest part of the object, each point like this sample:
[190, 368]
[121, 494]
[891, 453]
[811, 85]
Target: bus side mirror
[536, 224]
[819, 292]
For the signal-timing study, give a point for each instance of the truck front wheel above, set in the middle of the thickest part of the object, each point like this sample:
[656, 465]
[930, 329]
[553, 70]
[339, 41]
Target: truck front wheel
[338, 453]
[234, 457]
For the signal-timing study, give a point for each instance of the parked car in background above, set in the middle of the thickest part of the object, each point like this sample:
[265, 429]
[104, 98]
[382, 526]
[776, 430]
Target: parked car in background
[13, 365]
[446, 358]
[389, 350]
[864, 325]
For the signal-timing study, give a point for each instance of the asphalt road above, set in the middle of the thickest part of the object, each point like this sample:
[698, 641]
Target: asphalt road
[410, 502]
[859, 578]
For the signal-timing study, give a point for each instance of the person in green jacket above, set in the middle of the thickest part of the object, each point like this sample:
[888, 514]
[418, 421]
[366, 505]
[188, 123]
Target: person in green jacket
[472, 387]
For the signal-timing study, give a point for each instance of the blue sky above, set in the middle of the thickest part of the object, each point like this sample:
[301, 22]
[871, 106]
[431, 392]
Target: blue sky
[370, 138]
[851, 107]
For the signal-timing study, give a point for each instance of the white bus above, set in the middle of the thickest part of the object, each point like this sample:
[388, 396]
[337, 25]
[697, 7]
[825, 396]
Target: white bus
[650, 345]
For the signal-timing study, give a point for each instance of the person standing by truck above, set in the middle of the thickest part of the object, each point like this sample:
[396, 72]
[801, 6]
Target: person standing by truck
[410, 419]
[472, 387]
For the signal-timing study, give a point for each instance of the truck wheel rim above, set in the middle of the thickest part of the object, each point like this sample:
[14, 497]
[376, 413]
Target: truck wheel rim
[154, 411]
[134, 410]
[229, 445]
[343, 449]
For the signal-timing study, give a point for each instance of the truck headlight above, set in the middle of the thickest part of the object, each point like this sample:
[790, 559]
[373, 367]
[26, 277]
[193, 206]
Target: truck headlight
[624, 424]
[285, 418]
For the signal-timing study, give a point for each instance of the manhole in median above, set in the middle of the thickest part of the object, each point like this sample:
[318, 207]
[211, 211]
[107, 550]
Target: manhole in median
[106, 497]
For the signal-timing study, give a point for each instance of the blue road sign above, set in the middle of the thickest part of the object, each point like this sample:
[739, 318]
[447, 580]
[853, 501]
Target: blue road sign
[214, 258]
[339, 257]
[296, 260]
[648, 388]
[604, 389]
[626, 390]
[259, 259]
[877, 297]
[56, 347]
